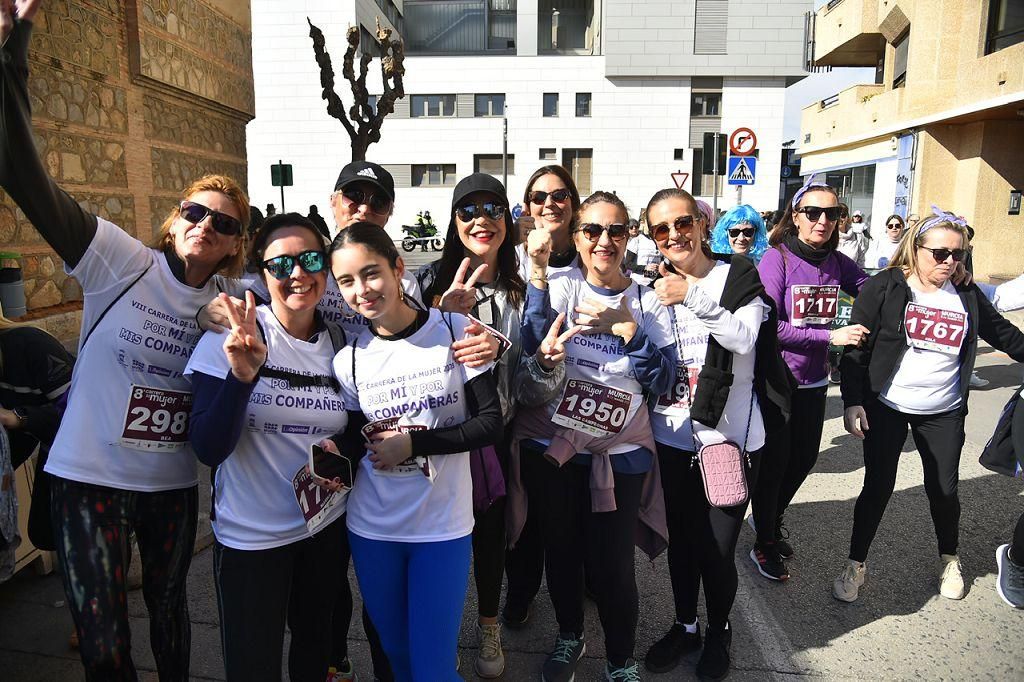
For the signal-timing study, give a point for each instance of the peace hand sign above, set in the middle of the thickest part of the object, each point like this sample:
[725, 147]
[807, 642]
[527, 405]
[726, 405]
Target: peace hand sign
[243, 347]
[461, 295]
[552, 348]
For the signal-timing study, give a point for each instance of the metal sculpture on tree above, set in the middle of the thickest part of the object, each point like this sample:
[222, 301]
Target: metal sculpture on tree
[361, 122]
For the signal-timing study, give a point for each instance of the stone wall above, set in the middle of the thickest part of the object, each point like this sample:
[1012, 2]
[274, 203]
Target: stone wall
[132, 100]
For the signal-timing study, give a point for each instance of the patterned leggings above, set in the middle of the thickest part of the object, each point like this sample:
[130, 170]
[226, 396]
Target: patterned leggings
[92, 525]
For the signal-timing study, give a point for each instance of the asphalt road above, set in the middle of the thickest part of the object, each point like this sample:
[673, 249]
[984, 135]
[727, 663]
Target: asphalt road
[899, 629]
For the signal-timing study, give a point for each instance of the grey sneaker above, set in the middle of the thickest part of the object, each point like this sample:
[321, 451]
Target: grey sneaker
[1010, 581]
[951, 580]
[561, 664]
[847, 586]
[490, 659]
[627, 673]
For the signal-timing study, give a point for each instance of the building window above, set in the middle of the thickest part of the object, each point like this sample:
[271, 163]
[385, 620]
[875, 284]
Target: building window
[489, 105]
[460, 26]
[899, 62]
[569, 26]
[583, 104]
[433, 175]
[550, 104]
[706, 104]
[677, 154]
[548, 153]
[1005, 24]
[492, 164]
[432, 105]
[579, 163]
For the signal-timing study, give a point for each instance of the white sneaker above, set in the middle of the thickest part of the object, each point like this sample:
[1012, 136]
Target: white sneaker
[951, 580]
[490, 659]
[978, 382]
[847, 586]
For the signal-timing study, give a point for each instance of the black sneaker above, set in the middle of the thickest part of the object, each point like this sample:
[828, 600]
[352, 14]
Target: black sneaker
[784, 549]
[664, 655]
[560, 666]
[768, 561]
[515, 617]
[714, 661]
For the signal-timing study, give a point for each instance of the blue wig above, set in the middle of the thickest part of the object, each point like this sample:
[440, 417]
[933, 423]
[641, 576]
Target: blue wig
[735, 217]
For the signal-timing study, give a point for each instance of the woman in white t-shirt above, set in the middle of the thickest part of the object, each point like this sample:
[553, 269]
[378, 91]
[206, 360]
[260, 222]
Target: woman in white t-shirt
[884, 246]
[263, 394]
[417, 412]
[716, 304]
[593, 444]
[914, 372]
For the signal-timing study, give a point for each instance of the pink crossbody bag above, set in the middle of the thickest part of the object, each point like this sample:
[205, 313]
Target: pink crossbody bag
[722, 467]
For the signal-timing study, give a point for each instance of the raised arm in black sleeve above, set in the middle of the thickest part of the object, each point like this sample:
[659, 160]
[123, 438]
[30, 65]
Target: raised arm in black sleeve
[482, 428]
[58, 218]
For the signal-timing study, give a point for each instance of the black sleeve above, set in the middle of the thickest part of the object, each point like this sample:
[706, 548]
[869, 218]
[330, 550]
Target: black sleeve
[482, 428]
[218, 414]
[58, 218]
[50, 366]
[350, 442]
[999, 332]
[854, 376]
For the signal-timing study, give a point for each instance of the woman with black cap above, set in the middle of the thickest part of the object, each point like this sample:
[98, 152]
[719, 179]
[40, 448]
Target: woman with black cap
[480, 244]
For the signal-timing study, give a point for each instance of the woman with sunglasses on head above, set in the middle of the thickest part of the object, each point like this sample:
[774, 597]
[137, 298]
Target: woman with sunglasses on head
[410, 513]
[741, 230]
[724, 328]
[883, 248]
[264, 394]
[121, 460]
[478, 275]
[914, 373]
[593, 444]
[803, 274]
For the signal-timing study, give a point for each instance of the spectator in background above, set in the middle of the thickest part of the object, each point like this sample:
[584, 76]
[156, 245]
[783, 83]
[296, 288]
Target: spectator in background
[271, 210]
[881, 249]
[318, 220]
[857, 220]
[646, 258]
[741, 230]
[853, 243]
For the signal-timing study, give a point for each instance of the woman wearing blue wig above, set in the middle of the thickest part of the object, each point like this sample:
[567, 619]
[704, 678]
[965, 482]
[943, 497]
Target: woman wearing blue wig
[741, 230]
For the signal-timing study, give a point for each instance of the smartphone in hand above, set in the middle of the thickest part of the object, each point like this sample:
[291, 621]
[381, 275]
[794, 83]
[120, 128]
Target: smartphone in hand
[330, 465]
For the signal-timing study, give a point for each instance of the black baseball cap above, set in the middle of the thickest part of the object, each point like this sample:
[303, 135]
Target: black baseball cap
[366, 171]
[478, 182]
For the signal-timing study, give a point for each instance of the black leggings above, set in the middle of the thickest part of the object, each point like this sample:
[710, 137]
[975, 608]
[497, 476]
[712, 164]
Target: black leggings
[524, 563]
[789, 456]
[1017, 546]
[489, 558]
[258, 591]
[91, 527]
[574, 536]
[939, 439]
[702, 538]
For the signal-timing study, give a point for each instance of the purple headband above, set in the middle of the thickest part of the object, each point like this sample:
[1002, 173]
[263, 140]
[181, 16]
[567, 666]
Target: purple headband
[940, 217]
[808, 186]
[708, 213]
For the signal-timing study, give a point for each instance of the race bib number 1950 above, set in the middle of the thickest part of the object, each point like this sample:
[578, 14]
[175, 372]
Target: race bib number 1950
[156, 419]
[592, 408]
[934, 328]
[814, 304]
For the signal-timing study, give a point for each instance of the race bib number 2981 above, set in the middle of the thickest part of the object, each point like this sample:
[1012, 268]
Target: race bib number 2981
[156, 419]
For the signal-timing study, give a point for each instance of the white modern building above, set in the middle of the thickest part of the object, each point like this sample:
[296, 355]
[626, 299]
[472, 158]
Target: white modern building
[620, 92]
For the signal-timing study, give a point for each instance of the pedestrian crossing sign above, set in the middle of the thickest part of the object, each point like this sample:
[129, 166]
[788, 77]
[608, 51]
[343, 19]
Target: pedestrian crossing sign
[741, 170]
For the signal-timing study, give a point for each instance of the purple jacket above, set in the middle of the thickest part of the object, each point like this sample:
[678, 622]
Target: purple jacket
[805, 349]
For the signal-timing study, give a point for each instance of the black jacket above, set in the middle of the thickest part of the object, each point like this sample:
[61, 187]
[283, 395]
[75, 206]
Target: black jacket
[880, 307]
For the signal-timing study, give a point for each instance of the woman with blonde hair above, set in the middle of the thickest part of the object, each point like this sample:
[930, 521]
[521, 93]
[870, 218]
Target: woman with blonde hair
[913, 372]
[121, 461]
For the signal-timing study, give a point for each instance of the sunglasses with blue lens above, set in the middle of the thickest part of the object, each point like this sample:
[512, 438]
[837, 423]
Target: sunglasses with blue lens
[469, 212]
[281, 267]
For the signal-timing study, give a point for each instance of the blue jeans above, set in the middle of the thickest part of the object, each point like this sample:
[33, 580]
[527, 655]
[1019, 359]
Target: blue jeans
[415, 592]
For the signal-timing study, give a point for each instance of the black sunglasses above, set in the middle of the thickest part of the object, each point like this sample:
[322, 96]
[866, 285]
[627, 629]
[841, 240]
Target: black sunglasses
[559, 196]
[940, 255]
[747, 232]
[894, 226]
[490, 209]
[592, 231]
[832, 213]
[377, 204]
[659, 233]
[222, 222]
[281, 267]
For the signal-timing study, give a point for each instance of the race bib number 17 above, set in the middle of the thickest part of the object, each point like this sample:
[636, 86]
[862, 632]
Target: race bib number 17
[156, 419]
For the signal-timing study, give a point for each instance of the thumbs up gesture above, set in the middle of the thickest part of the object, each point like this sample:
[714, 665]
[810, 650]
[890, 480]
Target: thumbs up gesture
[671, 288]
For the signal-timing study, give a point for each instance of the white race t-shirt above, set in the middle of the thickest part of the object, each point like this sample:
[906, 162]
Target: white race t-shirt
[698, 317]
[600, 358]
[126, 425]
[262, 494]
[524, 264]
[332, 304]
[417, 380]
[928, 381]
[646, 250]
